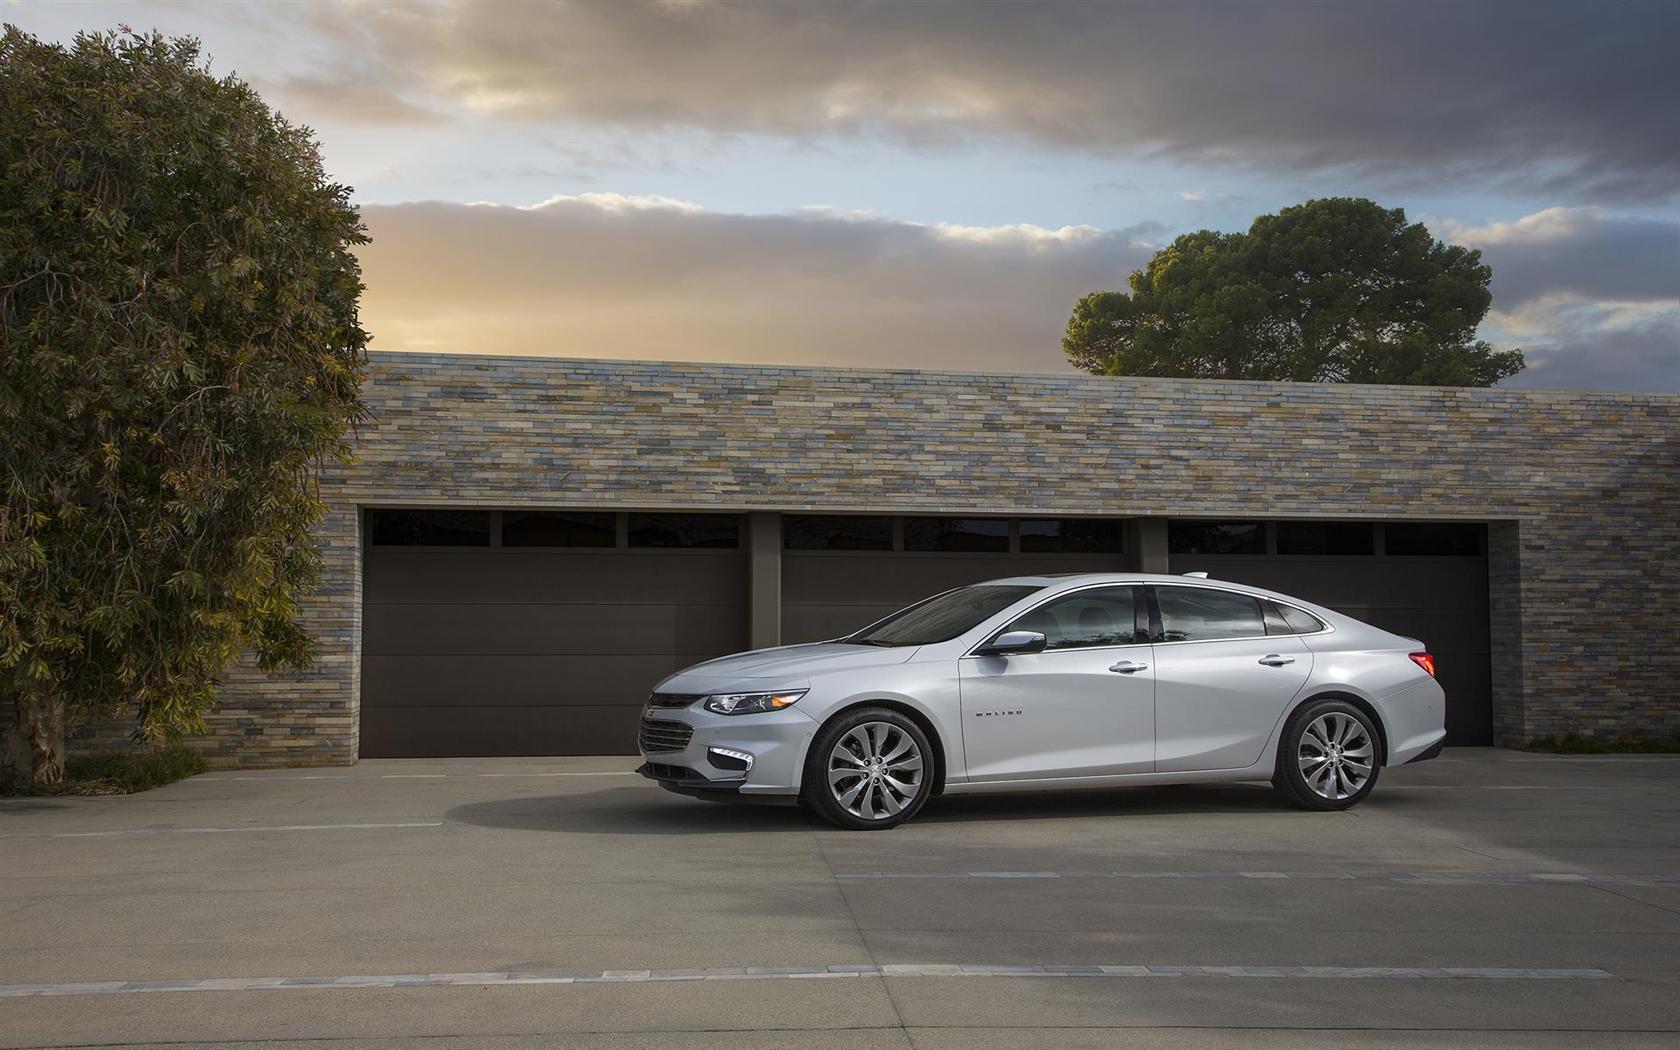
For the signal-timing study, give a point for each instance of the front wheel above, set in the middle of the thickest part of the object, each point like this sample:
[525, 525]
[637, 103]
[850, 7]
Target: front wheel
[870, 768]
[1328, 757]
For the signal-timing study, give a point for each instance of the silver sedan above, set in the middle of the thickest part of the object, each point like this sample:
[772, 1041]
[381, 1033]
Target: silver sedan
[1038, 682]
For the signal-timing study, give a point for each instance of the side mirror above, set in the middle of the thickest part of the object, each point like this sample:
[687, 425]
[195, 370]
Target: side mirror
[1013, 643]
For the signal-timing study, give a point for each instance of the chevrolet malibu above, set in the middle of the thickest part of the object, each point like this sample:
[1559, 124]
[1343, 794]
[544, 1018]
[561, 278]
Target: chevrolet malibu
[1038, 682]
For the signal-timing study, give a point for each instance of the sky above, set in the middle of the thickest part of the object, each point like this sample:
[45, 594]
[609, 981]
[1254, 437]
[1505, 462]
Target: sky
[933, 184]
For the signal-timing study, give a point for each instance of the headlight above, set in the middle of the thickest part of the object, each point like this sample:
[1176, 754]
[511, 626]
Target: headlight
[751, 703]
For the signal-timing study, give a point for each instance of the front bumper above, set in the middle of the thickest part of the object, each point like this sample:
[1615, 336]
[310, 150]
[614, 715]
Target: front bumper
[676, 746]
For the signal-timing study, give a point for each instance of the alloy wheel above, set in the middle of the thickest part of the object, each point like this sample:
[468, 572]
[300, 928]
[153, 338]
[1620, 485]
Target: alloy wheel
[1336, 755]
[875, 770]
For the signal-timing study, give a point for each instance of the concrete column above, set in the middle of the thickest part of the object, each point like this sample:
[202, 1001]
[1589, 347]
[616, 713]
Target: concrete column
[764, 587]
[1146, 538]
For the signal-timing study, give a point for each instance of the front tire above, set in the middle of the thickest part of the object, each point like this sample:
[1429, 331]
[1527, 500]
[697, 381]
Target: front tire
[1329, 756]
[869, 769]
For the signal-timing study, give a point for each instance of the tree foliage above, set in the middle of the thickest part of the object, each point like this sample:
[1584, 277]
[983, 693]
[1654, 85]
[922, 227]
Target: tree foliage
[1331, 291]
[179, 355]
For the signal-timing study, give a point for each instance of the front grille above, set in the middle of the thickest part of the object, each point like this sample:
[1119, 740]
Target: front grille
[661, 771]
[673, 699]
[664, 736]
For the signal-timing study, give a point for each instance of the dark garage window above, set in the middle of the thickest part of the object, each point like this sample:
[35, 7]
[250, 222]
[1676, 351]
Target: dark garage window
[1069, 536]
[685, 530]
[429, 528]
[1432, 538]
[543, 528]
[971, 535]
[808, 532]
[1198, 614]
[1313, 537]
[1216, 537]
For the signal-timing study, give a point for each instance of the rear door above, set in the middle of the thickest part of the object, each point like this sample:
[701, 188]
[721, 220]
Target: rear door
[1085, 706]
[1221, 682]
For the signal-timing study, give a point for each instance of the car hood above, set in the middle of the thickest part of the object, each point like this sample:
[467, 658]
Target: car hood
[789, 665]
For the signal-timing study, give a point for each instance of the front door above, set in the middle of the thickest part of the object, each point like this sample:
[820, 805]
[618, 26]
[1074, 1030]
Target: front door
[1085, 706]
[1221, 683]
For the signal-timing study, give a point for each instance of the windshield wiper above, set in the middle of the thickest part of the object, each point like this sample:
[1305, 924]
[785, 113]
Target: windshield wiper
[880, 642]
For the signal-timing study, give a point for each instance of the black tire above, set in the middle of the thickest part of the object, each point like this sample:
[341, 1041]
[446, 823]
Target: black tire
[878, 793]
[1338, 765]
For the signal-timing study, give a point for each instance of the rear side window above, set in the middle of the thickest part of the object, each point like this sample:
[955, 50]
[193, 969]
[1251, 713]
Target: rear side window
[1200, 614]
[1282, 619]
[1087, 619]
[1303, 622]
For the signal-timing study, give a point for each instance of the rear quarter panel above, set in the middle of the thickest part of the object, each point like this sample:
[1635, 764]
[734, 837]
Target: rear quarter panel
[1375, 666]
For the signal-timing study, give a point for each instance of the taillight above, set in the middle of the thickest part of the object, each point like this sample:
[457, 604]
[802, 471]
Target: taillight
[1425, 661]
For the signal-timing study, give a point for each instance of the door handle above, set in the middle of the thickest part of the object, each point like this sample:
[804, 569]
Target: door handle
[1276, 660]
[1129, 667]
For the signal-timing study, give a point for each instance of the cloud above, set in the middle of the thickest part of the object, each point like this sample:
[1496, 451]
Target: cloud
[1580, 253]
[1552, 95]
[1583, 346]
[610, 275]
[1592, 298]
[354, 99]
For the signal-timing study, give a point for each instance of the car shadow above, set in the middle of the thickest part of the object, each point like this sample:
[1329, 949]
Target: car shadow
[637, 811]
[1185, 799]
[627, 811]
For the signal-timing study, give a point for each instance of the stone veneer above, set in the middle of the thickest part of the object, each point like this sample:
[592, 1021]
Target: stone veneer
[1580, 490]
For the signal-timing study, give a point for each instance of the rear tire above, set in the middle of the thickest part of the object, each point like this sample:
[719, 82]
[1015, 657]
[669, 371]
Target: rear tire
[869, 769]
[1328, 757]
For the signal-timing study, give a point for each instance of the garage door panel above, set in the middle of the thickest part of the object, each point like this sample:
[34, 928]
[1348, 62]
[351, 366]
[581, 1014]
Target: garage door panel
[815, 623]
[1463, 676]
[510, 651]
[469, 731]
[1376, 582]
[1469, 721]
[491, 680]
[1441, 629]
[553, 628]
[504, 575]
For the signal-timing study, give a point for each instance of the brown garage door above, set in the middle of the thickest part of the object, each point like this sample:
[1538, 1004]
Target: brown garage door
[1423, 580]
[840, 573]
[525, 633]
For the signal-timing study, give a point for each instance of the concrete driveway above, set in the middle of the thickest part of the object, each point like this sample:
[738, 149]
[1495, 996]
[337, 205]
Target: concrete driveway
[1485, 899]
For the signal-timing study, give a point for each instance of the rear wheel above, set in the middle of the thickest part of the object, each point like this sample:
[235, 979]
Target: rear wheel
[1329, 756]
[868, 769]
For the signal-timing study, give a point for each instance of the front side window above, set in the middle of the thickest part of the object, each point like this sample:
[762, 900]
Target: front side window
[1200, 614]
[1099, 616]
[942, 617]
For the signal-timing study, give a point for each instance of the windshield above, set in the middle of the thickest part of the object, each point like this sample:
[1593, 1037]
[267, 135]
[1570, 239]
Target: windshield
[942, 617]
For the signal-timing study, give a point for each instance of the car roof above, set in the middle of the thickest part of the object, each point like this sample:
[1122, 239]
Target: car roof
[1080, 579]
